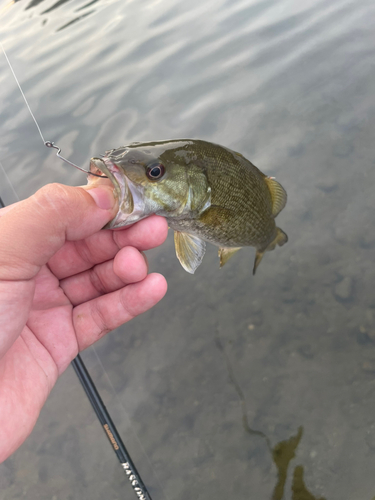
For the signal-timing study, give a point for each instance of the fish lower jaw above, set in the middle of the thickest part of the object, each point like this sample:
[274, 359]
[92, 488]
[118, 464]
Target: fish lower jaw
[123, 220]
[131, 199]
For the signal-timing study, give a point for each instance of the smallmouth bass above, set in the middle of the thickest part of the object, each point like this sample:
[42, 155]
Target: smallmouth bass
[206, 192]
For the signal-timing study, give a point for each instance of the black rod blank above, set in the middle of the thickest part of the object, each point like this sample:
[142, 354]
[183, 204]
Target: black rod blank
[110, 429]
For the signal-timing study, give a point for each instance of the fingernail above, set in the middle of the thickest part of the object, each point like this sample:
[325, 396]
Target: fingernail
[103, 197]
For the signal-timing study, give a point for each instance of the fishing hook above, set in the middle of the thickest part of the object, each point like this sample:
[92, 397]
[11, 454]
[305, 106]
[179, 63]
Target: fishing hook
[50, 144]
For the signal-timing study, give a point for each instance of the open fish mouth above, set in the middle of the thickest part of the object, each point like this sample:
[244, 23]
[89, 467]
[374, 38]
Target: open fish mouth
[131, 205]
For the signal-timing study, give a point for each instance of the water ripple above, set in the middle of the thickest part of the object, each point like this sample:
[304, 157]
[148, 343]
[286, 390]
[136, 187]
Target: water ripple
[290, 85]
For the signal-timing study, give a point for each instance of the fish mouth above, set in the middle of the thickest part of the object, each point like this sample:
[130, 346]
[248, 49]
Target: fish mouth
[130, 196]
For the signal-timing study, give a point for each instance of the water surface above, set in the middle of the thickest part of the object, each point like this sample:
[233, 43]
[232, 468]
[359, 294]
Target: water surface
[234, 386]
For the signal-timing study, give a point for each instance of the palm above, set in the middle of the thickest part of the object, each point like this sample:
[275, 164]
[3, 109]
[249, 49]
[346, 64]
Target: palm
[88, 288]
[51, 319]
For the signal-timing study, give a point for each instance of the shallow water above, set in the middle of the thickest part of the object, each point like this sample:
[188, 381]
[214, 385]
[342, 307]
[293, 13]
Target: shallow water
[234, 386]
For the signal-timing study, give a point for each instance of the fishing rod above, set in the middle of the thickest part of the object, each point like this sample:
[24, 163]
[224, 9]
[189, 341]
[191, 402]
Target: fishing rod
[109, 427]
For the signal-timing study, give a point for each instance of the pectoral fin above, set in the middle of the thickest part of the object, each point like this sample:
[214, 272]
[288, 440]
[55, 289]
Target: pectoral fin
[281, 239]
[190, 250]
[226, 253]
[278, 195]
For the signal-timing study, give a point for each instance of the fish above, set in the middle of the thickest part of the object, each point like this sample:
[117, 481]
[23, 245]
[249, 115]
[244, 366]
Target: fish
[207, 193]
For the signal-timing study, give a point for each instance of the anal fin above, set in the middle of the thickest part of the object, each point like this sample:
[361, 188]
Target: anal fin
[226, 253]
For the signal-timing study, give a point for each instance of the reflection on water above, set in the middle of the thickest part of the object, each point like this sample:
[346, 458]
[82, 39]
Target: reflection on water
[290, 85]
[59, 3]
[282, 453]
[75, 20]
[55, 6]
[299, 489]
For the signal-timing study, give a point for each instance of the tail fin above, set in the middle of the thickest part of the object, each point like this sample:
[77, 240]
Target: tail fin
[281, 239]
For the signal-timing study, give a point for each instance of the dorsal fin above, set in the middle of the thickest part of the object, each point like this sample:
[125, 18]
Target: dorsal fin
[278, 195]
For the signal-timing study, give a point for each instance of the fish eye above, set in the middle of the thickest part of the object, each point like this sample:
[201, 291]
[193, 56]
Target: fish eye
[155, 171]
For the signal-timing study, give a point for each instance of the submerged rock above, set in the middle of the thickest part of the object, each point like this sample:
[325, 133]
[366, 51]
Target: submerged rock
[344, 289]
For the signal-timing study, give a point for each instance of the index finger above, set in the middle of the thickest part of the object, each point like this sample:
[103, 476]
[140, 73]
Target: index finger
[78, 256]
[36, 228]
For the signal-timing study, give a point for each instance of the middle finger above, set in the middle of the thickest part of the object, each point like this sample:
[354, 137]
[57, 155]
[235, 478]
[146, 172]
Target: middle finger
[129, 266]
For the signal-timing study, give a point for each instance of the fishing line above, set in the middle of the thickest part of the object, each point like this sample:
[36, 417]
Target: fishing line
[23, 95]
[10, 185]
[88, 385]
[49, 144]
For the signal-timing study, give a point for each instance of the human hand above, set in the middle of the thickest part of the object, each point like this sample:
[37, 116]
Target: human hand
[63, 285]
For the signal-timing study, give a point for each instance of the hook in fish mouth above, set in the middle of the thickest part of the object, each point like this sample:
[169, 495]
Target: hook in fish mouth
[50, 144]
[130, 196]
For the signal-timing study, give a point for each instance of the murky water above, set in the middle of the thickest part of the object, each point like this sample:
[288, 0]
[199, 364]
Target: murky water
[234, 386]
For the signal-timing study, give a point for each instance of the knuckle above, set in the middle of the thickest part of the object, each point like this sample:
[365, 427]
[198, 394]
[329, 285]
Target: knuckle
[101, 322]
[128, 307]
[83, 251]
[97, 282]
[56, 196]
[116, 239]
[54, 190]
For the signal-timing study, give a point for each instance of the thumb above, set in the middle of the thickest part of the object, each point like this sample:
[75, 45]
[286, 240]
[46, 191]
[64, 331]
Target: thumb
[34, 229]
